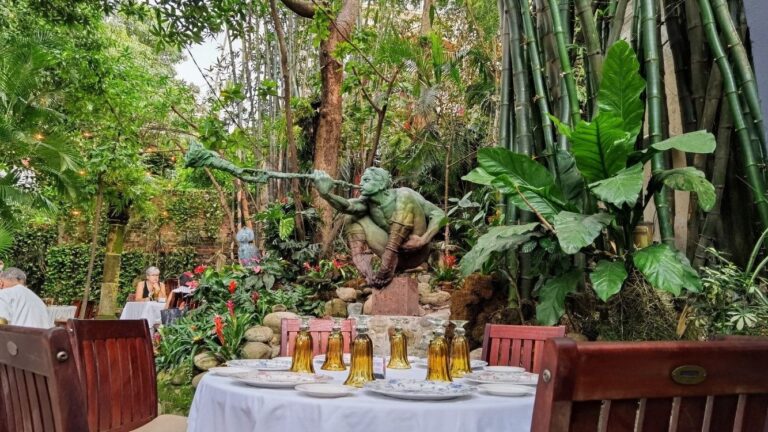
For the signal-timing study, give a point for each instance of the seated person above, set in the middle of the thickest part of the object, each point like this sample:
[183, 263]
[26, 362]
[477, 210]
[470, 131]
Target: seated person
[179, 296]
[19, 305]
[151, 288]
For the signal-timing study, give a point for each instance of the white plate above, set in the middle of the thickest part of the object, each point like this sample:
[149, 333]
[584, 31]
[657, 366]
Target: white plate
[507, 369]
[487, 377]
[229, 371]
[279, 379]
[325, 390]
[474, 364]
[262, 364]
[419, 390]
[506, 389]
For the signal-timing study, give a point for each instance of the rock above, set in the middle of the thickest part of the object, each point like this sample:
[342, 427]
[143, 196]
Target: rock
[256, 350]
[356, 283]
[444, 314]
[425, 278]
[205, 361]
[424, 288]
[275, 341]
[400, 298]
[276, 351]
[367, 306]
[437, 298]
[347, 294]
[476, 354]
[578, 337]
[197, 378]
[274, 320]
[180, 376]
[367, 291]
[259, 334]
[354, 309]
[279, 308]
[336, 308]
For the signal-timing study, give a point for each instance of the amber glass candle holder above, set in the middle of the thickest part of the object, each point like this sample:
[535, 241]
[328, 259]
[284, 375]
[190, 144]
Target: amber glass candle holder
[334, 357]
[398, 347]
[361, 369]
[302, 349]
[460, 364]
[437, 354]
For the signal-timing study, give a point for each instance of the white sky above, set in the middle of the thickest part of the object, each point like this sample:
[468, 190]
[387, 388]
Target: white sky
[205, 54]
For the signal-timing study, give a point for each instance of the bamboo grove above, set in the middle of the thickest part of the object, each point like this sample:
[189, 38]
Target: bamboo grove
[699, 77]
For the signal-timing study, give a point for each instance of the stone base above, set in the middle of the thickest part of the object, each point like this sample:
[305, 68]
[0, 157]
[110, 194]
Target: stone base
[400, 297]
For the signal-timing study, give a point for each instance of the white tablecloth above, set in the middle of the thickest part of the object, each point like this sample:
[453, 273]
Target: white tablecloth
[61, 313]
[223, 404]
[148, 310]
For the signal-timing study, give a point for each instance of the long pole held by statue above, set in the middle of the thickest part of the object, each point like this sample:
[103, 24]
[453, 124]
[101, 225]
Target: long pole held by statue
[198, 157]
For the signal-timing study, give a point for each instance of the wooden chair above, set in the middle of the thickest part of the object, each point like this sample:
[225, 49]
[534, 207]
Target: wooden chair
[38, 380]
[514, 345]
[117, 370]
[90, 309]
[319, 329]
[652, 386]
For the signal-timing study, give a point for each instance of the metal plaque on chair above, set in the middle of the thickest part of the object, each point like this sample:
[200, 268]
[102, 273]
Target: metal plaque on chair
[689, 374]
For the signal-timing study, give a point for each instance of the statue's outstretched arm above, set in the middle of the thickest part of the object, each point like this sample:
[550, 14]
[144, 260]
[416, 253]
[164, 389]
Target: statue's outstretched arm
[324, 183]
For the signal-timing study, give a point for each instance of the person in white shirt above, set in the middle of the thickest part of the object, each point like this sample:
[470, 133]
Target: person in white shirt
[19, 305]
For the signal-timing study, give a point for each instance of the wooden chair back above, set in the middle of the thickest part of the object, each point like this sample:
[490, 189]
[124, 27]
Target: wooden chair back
[117, 368]
[319, 329]
[652, 386]
[515, 345]
[170, 285]
[90, 309]
[38, 381]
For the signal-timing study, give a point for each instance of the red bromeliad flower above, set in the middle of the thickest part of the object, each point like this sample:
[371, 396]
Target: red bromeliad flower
[449, 261]
[219, 324]
[199, 269]
[307, 266]
[232, 286]
[231, 308]
[255, 296]
[337, 263]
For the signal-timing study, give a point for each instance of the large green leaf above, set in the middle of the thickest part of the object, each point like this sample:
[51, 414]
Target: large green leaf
[479, 176]
[552, 295]
[691, 142]
[601, 148]
[575, 230]
[621, 87]
[523, 170]
[622, 188]
[608, 278]
[495, 240]
[666, 269]
[569, 177]
[534, 198]
[6, 238]
[691, 180]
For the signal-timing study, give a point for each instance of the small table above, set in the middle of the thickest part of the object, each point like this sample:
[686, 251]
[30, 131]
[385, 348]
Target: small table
[148, 310]
[223, 404]
[61, 312]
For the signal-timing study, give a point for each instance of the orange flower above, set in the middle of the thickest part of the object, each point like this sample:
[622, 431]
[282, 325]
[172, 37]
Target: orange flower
[219, 324]
[232, 286]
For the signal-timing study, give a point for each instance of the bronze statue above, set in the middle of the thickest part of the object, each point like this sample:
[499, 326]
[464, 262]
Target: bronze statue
[396, 224]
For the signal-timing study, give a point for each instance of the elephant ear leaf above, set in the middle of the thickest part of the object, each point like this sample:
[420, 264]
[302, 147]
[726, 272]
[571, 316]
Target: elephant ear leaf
[621, 87]
[689, 179]
[552, 295]
[623, 188]
[497, 239]
[601, 148]
[608, 278]
[666, 269]
[576, 230]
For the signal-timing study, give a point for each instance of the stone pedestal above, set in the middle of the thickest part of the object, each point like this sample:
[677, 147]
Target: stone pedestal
[400, 297]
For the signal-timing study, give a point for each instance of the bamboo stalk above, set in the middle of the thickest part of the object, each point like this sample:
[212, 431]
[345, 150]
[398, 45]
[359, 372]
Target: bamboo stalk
[654, 92]
[565, 63]
[618, 23]
[592, 42]
[740, 58]
[699, 57]
[522, 99]
[538, 81]
[751, 166]
[505, 78]
[719, 175]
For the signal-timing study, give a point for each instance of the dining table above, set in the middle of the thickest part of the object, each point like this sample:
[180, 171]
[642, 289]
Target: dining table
[225, 404]
[148, 310]
[60, 312]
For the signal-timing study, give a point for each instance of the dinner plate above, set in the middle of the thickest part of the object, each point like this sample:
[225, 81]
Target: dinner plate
[503, 389]
[507, 369]
[262, 364]
[229, 370]
[474, 364]
[488, 377]
[272, 379]
[419, 390]
[323, 390]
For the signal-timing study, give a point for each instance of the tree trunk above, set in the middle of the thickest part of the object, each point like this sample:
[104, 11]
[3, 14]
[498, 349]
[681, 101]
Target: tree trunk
[95, 228]
[110, 285]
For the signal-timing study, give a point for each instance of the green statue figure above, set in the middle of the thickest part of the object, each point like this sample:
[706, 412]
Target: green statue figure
[397, 224]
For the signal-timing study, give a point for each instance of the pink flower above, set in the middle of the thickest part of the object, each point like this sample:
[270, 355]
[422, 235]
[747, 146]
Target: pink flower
[231, 308]
[337, 263]
[307, 266]
[256, 269]
[255, 297]
[193, 284]
[199, 269]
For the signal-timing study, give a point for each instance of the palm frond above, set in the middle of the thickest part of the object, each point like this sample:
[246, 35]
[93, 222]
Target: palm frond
[6, 238]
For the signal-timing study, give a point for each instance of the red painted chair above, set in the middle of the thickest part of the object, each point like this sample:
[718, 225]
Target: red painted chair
[117, 371]
[39, 389]
[652, 386]
[514, 345]
[319, 329]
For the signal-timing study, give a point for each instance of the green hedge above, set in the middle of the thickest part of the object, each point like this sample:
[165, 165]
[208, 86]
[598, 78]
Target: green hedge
[29, 252]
